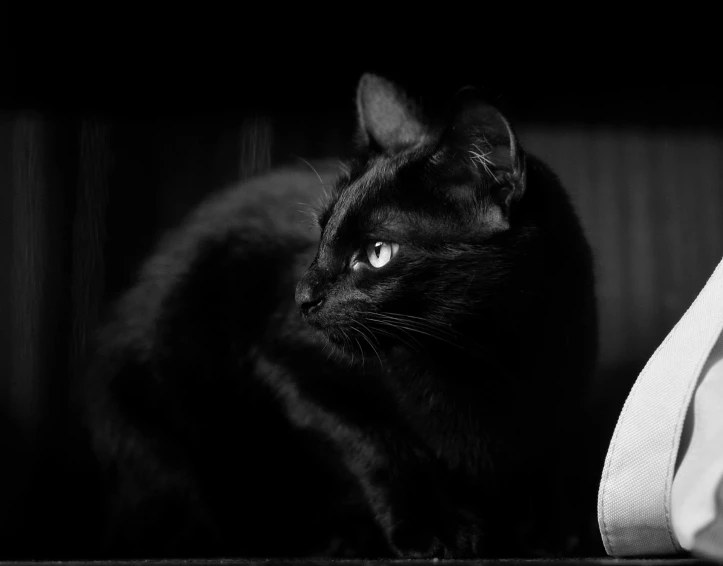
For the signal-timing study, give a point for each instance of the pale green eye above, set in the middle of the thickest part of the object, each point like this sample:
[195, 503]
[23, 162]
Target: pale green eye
[379, 253]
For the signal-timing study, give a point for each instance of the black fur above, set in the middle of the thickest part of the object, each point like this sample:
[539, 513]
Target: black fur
[427, 407]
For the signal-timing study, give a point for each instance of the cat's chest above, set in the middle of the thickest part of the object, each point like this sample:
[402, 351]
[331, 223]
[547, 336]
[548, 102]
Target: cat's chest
[452, 437]
[449, 426]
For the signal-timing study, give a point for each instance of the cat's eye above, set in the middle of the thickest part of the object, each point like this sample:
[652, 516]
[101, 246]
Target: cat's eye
[379, 253]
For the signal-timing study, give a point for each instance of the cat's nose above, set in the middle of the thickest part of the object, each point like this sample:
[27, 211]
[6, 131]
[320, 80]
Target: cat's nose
[307, 300]
[310, 307]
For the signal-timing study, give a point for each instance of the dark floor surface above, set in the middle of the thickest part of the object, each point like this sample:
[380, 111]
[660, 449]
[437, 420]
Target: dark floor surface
[506, 562]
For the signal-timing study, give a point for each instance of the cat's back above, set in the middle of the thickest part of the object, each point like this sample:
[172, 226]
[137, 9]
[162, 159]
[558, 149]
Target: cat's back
[266, 217]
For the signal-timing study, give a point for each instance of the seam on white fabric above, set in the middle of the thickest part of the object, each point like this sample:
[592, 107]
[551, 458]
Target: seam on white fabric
[623, 415]
[673, 452]
[611, 451]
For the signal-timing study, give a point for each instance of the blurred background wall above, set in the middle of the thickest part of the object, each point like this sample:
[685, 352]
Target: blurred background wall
[97, 160]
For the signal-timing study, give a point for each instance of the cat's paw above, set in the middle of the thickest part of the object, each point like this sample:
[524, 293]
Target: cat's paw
[455, 534]
[466, 536]
[410, 539]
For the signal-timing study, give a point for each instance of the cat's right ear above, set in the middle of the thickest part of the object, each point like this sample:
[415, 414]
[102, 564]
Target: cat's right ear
[388, 121]
[484, 134]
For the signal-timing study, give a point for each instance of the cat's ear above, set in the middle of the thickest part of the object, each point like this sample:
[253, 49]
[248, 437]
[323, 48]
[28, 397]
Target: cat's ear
[388, 121]
[489, 143]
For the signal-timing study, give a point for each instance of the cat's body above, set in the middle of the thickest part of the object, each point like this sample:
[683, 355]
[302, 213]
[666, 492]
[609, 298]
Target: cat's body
[425, 403]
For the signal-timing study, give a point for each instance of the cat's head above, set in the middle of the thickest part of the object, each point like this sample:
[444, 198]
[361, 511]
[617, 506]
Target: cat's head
[413, 237]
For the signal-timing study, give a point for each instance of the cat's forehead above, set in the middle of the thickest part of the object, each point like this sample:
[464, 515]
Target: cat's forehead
[374, 177]
[360, 191]
[388, 193]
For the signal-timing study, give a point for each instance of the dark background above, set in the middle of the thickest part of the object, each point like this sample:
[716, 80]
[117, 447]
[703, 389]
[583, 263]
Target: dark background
[105, 142]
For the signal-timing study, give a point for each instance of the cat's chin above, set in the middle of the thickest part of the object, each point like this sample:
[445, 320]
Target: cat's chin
[349, 341]
[335, 335]
[340, 337]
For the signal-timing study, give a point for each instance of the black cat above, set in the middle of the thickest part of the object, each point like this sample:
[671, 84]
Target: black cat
[418, 395]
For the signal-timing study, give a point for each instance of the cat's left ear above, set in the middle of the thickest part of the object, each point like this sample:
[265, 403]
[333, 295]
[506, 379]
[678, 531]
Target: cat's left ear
[388, 121]
[484, 134]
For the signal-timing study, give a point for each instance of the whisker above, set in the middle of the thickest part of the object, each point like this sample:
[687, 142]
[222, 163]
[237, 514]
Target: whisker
[414, 323]
[408, 317]
[410, 326]
[422, 318]
[361, 351]
[327, 343]
[314, 170]
[396, 336]
[311, 216]
[346, 343]
[421, 323]
[363, 335]
[367, 329]
[424, 332]
[413, 347]
[482, 157]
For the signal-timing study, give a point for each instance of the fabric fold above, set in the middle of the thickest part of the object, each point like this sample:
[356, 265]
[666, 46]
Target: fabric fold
[634, 498]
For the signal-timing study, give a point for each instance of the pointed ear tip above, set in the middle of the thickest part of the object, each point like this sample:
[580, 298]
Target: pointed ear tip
[470, 101]
[368, 79]
[477, 106]
[366, 83]
[469, 94]
[468, 89]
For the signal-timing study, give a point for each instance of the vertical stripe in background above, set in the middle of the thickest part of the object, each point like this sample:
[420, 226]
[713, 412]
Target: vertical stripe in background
[651, 203]
[89, 235]
[256, 140]
[30, 265]
[641, 292]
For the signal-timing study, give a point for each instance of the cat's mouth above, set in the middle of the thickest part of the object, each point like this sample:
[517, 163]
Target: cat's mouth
[338, 334]
[335, 333]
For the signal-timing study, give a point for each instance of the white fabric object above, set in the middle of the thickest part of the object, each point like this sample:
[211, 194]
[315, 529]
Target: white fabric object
[635, 499]
[700, 473]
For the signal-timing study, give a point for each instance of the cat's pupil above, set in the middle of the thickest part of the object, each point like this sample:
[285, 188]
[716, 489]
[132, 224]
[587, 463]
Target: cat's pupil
[380, 253]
